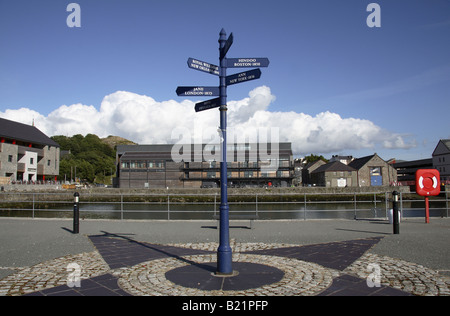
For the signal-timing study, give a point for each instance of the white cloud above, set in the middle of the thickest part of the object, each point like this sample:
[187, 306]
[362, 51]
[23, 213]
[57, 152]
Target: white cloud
[142, 119]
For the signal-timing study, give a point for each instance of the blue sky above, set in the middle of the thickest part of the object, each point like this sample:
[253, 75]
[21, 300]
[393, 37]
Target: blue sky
[323, 57]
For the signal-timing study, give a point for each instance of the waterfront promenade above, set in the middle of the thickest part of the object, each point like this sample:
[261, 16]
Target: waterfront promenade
[284, 258]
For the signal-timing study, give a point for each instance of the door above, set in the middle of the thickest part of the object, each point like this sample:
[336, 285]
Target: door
[376, 178]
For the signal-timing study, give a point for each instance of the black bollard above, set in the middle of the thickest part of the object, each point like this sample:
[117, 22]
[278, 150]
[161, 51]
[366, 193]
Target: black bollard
[395, 213]
[76, 213]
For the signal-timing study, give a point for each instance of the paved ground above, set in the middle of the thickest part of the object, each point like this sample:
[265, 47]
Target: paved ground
[324, 257]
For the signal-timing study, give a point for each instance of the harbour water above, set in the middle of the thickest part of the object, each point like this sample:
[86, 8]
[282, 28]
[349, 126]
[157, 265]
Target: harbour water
[205, 211]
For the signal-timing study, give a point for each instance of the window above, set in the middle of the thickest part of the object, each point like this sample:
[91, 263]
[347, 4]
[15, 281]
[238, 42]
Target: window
[248, 174]
[49, 163]
[375, 171]
[31, 161]
[141, 165]
[10, 158]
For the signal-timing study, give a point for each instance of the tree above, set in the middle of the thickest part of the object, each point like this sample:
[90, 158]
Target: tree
[314, 158]
[93, 159]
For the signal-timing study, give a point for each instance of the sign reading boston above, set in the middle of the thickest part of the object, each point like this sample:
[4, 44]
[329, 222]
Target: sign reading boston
[247, 62]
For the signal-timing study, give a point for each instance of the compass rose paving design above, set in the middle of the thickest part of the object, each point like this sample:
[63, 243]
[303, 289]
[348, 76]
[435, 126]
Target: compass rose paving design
[122, 266]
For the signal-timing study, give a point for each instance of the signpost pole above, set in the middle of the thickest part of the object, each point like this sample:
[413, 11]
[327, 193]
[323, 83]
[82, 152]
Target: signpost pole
[224, 254]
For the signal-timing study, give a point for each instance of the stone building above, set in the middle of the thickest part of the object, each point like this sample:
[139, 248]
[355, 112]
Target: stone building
[374, 171]
[334, 175]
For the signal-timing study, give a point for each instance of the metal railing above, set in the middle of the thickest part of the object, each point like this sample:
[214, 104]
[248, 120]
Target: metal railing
[205, 206]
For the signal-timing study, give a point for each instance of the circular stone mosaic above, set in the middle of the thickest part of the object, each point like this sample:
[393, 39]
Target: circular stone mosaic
[246, 276]
[295, 277]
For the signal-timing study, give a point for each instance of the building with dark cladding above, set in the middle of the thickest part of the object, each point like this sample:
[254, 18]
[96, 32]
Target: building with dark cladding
[198, 165]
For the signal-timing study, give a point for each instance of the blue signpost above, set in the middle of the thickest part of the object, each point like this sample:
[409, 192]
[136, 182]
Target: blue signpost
[224, 253]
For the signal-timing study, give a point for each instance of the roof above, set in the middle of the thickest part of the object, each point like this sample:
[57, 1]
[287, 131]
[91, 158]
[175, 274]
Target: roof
[284, 148]
[423, 163]
[333, 166]
[311, 164]
[24, 133]
[142, 155]
[446, 142]
[443, 147]
[360, 162]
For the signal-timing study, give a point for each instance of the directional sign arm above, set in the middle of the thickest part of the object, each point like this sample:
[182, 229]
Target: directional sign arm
[243, 77]
[247, 62]
[206, 105]
[227, 46]
[203, 66]
[198, 91]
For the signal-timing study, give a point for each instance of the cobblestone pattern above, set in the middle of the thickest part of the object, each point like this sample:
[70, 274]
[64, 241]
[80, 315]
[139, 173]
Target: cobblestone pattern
[301, 278]
[51, 273]
[237, 247]
[406, 276]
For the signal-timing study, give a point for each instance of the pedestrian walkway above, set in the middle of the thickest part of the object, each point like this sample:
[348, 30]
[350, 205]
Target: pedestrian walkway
[123, 263]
